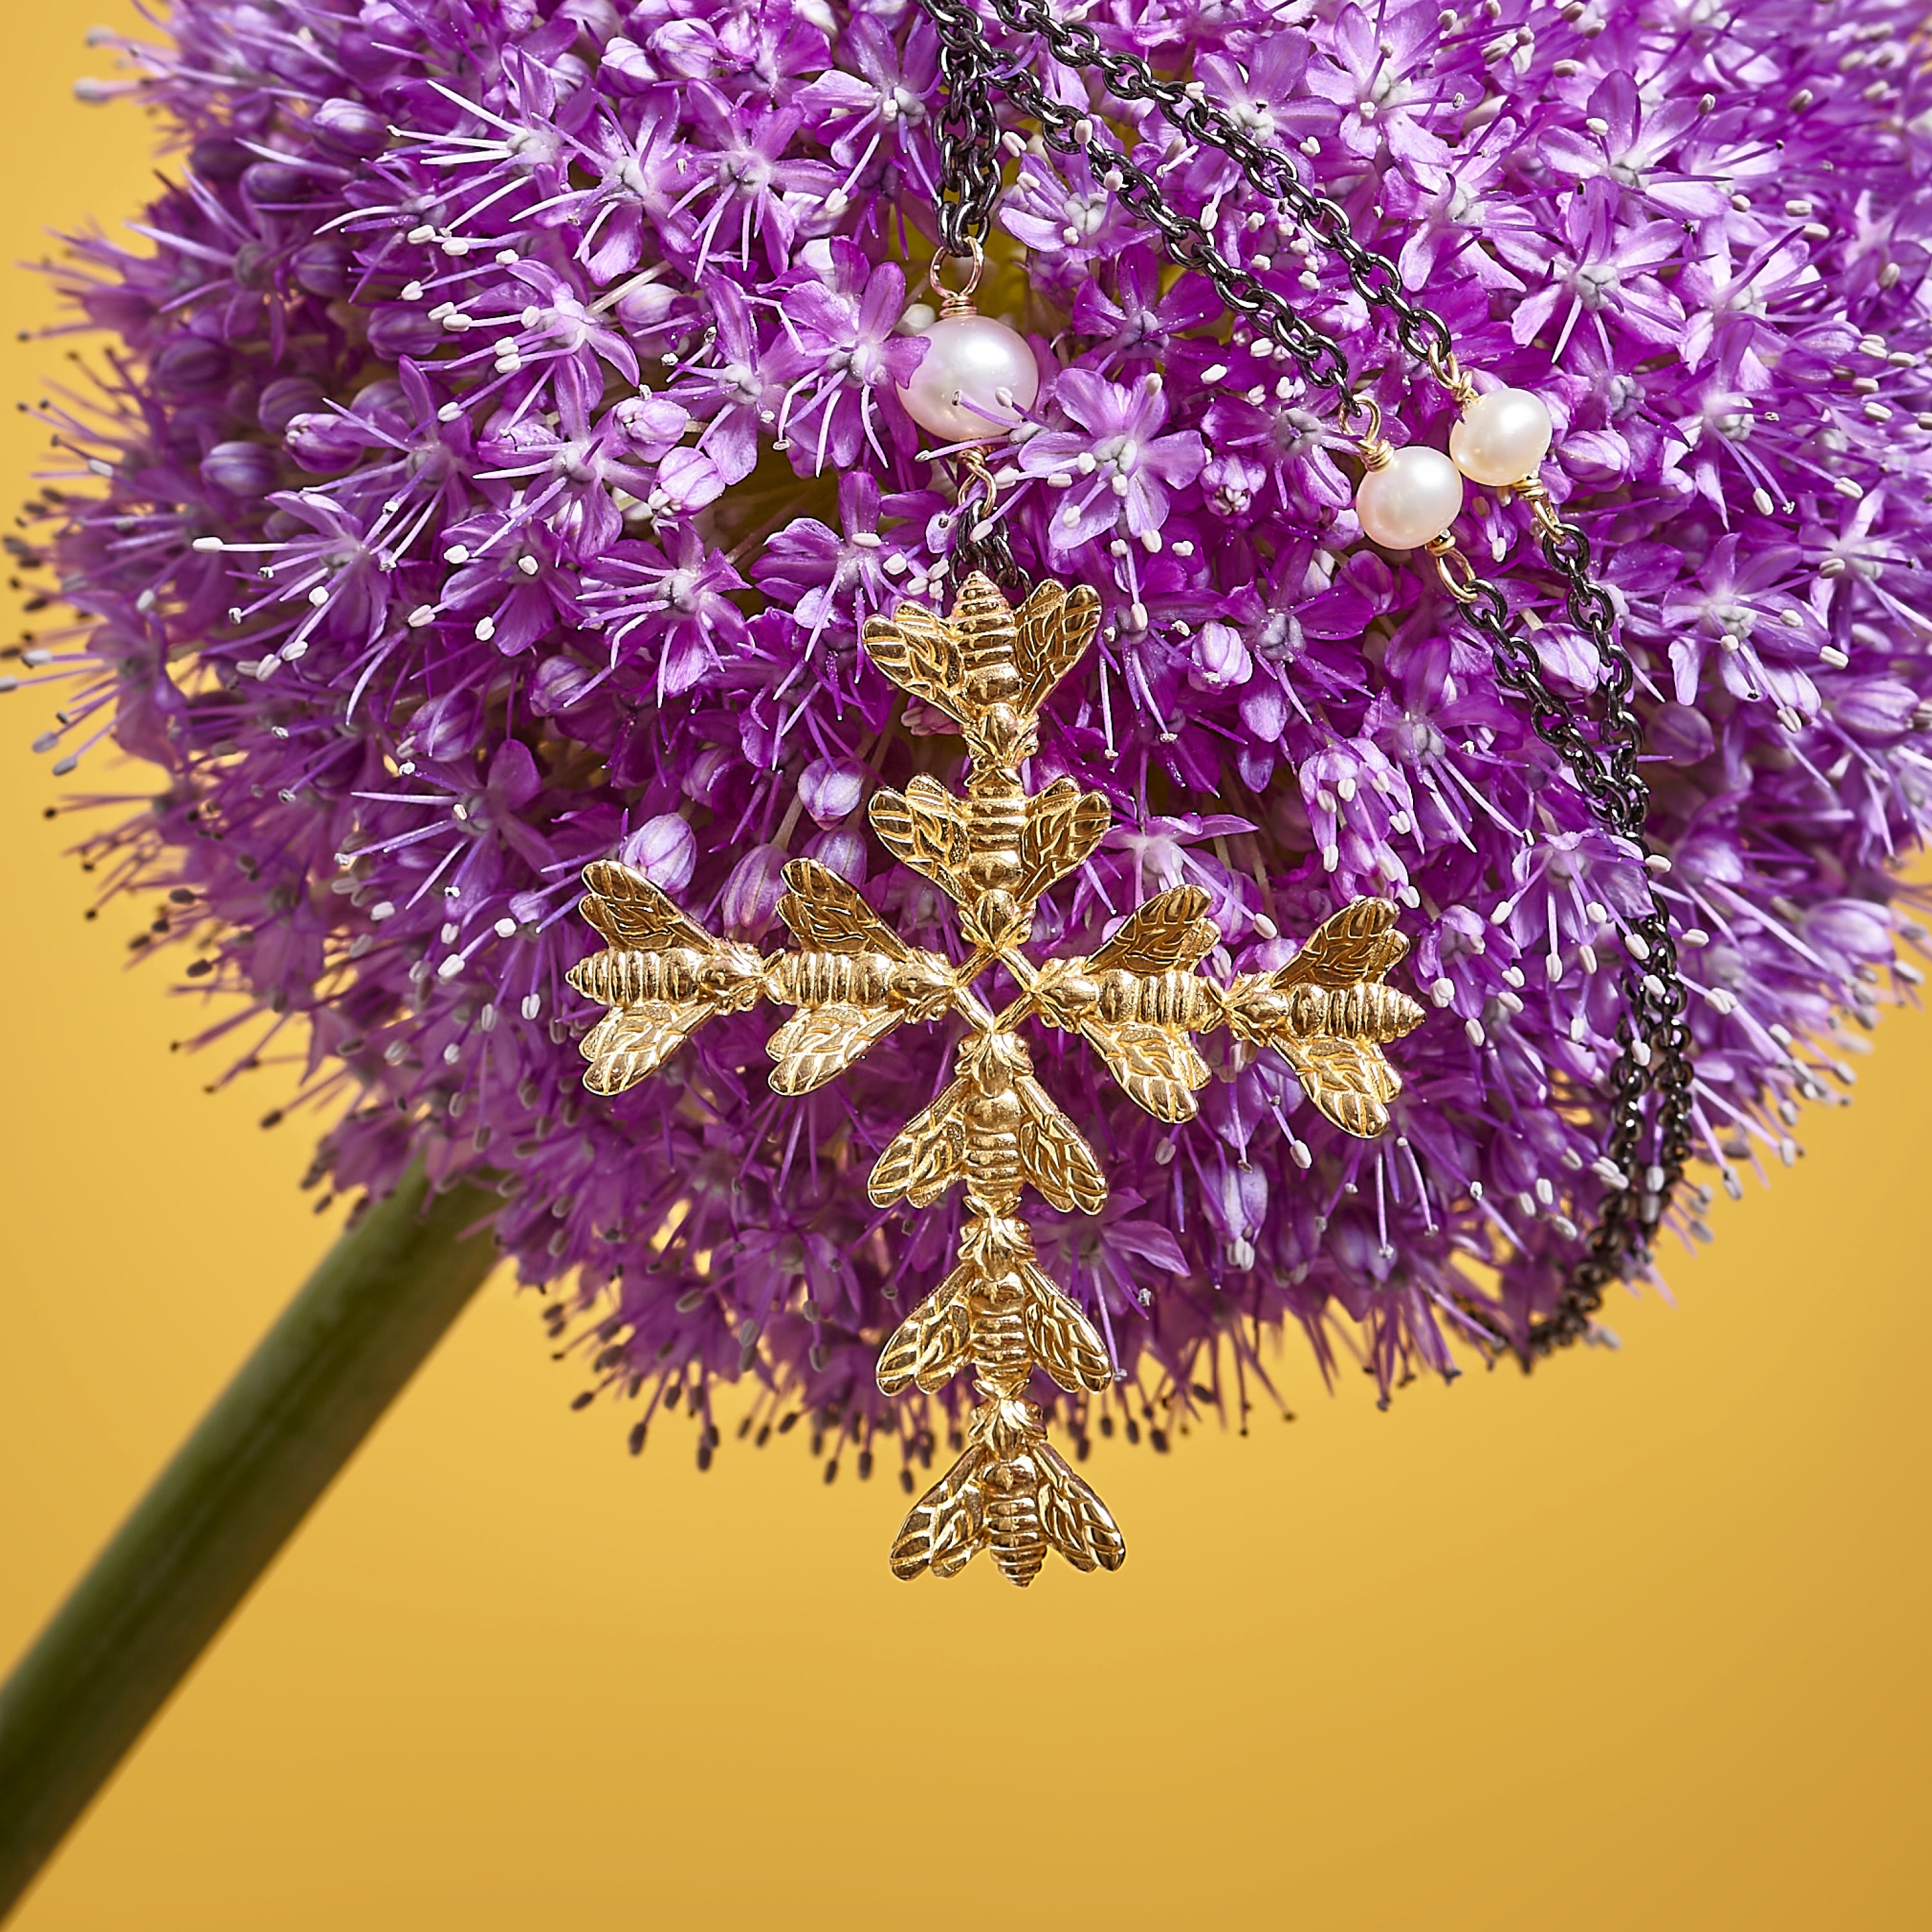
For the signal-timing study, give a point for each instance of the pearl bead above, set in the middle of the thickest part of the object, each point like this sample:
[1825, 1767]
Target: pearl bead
[1416, 495]
[969, 359]
[1503, 437]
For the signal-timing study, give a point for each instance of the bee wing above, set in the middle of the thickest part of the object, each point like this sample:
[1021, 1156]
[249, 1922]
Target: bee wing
[1072, 1517]
[1348, 1079]
[827, 915]
[925, 827]
[921, 654]
[1063, 825]
[1052, 629]
[1157, 1068]
[928, 1156]
[928, 1346]
[1353, 944]
[1053, 1155]
[818, 1043]
[1061, 1338]
[633, 914]
[946, 1528]
[1167, 934]
[630, 1042]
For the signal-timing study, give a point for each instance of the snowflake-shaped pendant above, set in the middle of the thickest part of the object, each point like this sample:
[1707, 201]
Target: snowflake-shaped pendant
[994, 1130]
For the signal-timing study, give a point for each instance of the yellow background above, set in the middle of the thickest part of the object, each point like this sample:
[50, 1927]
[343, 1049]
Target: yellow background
[1640, 1641]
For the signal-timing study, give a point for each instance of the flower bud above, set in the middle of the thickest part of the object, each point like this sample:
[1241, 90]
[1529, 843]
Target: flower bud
[650, 422]
[239, 469]
[188, 363]
[1681, 734]
[831, 788]
[644, 306]
[665, 851]
[351, 128]
[597, 18]
[842, 853]
[752, 893]
[625, 67]
[397, 330]
[558, 683]
[219, 158]
[274, 184]
[688, 479]
[323, 268]
[1876, 707]
[1220, 658]
[444, 727]
[324, 443]
[708, 776]
[1235, 1197]
[385, 398]
[286, 398]
[1859, 932]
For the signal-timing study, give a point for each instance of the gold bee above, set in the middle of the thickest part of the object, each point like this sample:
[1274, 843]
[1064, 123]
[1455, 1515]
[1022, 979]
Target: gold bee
[990, 667]
[1327, 1012]
[854, 982]
[998, 1311]
[661, 975]
[994, 1127]
[1011, 1491]
[1139, 997]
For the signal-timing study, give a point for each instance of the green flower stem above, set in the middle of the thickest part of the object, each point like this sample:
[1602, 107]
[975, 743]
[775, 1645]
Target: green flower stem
[276, 1438]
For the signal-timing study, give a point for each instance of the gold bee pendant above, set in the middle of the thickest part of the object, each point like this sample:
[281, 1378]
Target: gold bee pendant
[994, 1130]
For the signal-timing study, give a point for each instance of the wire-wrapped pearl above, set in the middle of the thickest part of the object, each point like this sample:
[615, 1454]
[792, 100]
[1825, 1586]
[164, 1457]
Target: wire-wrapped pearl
[1417, 494]
[956, 392]
[1502, 438]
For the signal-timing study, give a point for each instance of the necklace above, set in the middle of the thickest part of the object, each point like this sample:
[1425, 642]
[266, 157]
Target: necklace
[1139, 998]
[1407, 499]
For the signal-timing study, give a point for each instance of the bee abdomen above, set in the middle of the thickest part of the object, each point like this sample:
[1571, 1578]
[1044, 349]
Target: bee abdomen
[1182, 1000]
[1002, 1358]
[629, 978]
[824, 979]
[993, 1171]
[1012, 1522]
[1370, 1012]
[994, 829]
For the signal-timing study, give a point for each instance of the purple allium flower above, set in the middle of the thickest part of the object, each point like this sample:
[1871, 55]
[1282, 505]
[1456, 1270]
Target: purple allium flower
[499, 454]
[1115, 465]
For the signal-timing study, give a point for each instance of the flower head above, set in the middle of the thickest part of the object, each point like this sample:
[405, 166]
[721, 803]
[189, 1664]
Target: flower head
[501, 453]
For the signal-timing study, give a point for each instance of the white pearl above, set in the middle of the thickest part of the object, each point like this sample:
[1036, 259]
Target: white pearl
[1502, 438]
[1416, 495]
[969, 360]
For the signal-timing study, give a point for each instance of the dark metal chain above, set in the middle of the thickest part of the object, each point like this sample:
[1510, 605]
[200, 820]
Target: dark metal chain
[965, 54]
[1654, 1034]
[1654, 1038]
[983, 544]
[1187, 106]
[969, 148]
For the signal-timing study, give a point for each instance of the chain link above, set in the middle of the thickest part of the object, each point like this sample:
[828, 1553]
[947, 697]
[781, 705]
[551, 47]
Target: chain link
[968, 136]
[1650, 1083]
[982, 543]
